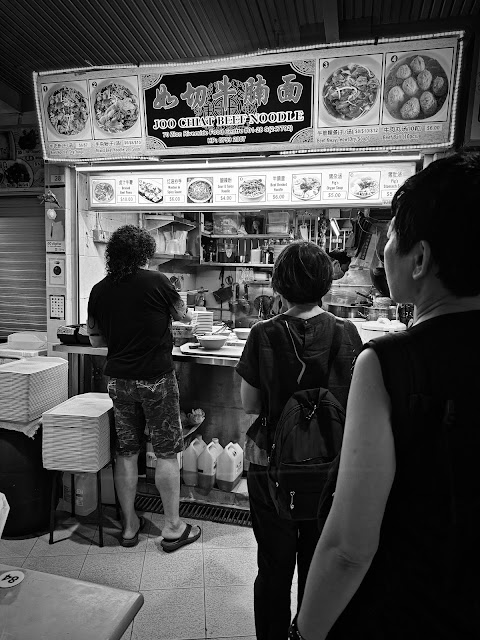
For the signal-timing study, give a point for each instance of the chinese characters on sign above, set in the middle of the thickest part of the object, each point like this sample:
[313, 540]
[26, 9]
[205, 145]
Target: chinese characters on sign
[232, 107]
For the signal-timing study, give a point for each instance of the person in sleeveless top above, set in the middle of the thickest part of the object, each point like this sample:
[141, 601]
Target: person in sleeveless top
[270, 372]
[398, 555]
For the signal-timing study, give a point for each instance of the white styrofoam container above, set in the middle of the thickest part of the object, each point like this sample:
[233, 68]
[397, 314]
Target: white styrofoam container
[19, 353]
[27, 340]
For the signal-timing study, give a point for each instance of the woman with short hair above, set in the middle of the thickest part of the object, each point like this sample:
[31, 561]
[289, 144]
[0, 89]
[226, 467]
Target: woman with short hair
[271, 371]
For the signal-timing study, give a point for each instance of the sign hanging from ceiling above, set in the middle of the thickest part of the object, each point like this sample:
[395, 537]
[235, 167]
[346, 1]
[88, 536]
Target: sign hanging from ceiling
[390, 95]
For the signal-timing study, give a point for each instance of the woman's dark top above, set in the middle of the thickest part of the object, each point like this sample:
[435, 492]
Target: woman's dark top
[272, 366]
[135, 318]
[424, 581]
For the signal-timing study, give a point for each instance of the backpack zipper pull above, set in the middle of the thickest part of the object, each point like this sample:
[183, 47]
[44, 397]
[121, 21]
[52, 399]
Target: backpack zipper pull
[312, 413]
[292, 493]
[271, 453]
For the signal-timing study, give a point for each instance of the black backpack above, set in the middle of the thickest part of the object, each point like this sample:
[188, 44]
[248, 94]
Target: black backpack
[307, 442]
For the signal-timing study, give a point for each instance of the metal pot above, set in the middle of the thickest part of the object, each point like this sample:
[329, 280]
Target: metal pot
[348, 310]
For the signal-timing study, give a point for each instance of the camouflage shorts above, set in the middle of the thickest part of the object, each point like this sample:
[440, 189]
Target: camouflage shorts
[154, 403]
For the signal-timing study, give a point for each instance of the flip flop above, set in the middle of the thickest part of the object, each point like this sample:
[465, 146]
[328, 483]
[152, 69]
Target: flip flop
[132, 542]
[172, 544]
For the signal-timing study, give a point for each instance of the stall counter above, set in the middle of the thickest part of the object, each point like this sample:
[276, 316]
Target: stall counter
[76, 362]
[217, 393]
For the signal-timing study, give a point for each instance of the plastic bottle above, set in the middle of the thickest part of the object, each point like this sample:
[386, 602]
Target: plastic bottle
[229, 467]
[85, 492]
[190, 458]
[207, 466]
[218, 446]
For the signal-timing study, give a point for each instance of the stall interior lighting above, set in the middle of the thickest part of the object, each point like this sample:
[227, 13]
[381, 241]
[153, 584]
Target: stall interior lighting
[229, 164]
[335, 227]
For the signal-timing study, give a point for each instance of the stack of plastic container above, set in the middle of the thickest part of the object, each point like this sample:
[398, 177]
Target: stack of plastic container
[28, 388]
[202, 322]
[76, 434]
[25, 345]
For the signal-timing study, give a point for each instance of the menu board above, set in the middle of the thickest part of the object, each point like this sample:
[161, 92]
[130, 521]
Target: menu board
[21, 160]
[390, 94]
[336, 185]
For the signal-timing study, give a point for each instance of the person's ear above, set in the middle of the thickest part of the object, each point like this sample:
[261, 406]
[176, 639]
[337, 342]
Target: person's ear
[422, 259]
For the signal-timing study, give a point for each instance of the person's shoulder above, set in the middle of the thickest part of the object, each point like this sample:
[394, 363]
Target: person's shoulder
[151, 278]
[100, 286]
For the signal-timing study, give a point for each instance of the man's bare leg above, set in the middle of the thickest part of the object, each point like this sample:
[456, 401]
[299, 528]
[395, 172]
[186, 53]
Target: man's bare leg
[126, 479]
[167, 481]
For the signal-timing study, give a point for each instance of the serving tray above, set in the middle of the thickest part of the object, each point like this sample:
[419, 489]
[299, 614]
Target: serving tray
[229, 350]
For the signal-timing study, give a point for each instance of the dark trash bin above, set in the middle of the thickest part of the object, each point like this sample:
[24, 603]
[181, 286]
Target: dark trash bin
[25, 483]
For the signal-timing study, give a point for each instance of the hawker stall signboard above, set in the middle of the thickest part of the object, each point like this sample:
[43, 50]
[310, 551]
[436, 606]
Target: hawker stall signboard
[299, 186]
[21, 160]
[390, 94]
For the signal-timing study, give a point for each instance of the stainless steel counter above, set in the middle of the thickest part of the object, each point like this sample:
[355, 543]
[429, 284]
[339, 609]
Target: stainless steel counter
[76, 363]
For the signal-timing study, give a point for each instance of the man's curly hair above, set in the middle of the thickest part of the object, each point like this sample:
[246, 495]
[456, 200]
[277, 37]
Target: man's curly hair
[128, 249]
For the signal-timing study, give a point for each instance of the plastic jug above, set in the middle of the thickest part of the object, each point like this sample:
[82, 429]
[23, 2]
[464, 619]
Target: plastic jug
[190, 460]
[207, 466]
[85, 492]
[230, 467]
[218, 446]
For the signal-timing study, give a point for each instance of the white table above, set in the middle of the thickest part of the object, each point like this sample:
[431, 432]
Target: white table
[49, 606]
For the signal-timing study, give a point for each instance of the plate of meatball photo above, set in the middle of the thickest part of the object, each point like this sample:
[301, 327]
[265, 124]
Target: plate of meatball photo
[416, 88]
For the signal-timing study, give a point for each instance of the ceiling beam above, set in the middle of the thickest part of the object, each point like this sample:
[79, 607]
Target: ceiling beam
[10, 97]
[330, 20]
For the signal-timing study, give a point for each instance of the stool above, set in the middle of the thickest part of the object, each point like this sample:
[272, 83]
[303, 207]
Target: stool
[72, 497]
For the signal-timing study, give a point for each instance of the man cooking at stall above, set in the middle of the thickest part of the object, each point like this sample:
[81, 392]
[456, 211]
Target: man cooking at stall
[130, 312]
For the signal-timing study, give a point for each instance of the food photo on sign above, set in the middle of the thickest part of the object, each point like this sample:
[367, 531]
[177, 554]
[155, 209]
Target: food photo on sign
[150, 190]
[67, 111]
[102, 192]
[115, 107]
[252, 188]
[200, 190]
[364, 184]
[306, 187]
[349, 90]
[417, 86]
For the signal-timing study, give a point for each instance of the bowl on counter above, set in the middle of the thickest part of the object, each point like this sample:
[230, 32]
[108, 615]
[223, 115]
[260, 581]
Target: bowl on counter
[212, 341]
[242, 333]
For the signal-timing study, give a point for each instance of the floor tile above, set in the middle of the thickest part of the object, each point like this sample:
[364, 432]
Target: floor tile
[229, 611]
[154, 537]
[68, 566]
[13, 548]
[112, 533]
[108, 569]
[227, 567]
[72, 540]
[128, 633]
[172, 570]
[227, 536]
[171, 614]
[13, 561]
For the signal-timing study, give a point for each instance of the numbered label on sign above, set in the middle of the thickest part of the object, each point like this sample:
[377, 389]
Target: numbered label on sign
[11, 579]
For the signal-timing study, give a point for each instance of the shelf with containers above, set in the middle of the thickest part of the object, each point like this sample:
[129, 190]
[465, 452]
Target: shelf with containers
[176, 236]
[230, 238]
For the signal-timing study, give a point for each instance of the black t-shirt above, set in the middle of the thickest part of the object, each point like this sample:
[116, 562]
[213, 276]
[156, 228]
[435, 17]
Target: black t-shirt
[274, 368]
[134, 316]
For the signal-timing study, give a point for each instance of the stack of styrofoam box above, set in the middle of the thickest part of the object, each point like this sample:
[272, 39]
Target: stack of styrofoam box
[76, 434]
[28, 387]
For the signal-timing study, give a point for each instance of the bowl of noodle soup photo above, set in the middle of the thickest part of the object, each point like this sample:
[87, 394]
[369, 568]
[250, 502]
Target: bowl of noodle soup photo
[200, 190]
